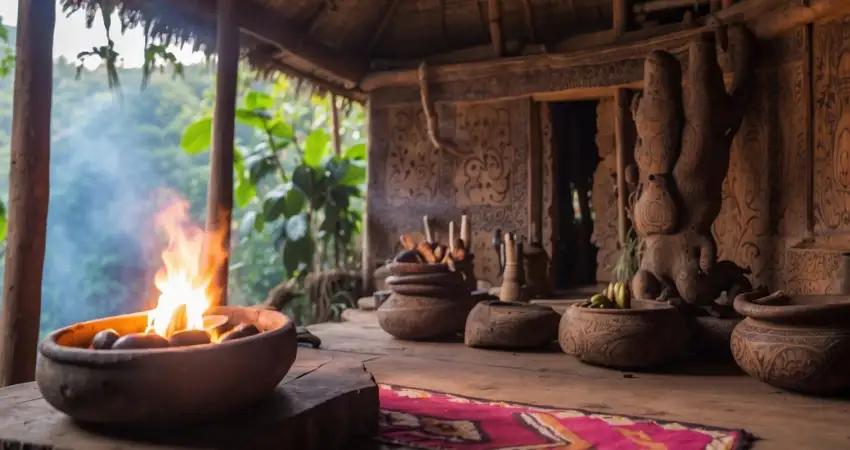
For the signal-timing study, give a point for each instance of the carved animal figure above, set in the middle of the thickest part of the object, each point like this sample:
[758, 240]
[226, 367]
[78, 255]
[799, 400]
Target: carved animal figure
[682, 155]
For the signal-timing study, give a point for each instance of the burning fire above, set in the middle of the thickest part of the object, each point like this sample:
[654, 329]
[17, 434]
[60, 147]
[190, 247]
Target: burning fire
[186, 280]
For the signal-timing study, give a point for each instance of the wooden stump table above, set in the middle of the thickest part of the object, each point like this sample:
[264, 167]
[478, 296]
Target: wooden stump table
[322, 404]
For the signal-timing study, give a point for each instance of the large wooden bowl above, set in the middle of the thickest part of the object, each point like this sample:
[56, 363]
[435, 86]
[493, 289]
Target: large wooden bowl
[503, 325]
[168, 385]
[418, 318]
[649, 334]
[802, 345]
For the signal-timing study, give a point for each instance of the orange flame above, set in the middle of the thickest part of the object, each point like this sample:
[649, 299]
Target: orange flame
[185, 281]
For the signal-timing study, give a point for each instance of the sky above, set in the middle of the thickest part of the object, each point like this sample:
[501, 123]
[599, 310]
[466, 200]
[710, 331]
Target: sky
[72, 37]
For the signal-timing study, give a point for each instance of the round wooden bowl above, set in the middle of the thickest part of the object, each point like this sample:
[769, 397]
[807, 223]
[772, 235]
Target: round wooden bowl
[417, 318]
[166, 385]
[802, 345]
[497, 324]
[649, 334]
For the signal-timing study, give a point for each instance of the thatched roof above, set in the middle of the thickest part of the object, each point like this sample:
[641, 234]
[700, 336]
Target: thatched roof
[333, 43]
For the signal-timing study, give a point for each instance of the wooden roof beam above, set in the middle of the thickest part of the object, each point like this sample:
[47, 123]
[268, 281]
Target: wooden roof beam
[767, 18]
[267, 26]
[386, 18]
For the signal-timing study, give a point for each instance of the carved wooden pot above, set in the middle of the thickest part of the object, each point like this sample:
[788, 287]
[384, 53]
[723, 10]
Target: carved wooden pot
[419, 318]
[496, 324]
[802, 345]
[649, 334]
[711, 335]
[166, 385]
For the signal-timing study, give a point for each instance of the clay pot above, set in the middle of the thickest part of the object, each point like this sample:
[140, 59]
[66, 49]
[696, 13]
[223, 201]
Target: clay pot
[649, 334]
[711, 335]
[417, 318]
[164, 385]
[496, 324]
[801, 345]
[403, 268]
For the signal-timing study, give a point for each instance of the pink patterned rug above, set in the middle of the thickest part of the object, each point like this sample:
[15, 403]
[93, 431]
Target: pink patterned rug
[434, 420]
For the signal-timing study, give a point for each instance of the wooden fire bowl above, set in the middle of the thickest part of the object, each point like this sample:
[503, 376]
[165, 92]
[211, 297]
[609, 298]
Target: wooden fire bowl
[168, 385]
[802, 345]
[649, 334]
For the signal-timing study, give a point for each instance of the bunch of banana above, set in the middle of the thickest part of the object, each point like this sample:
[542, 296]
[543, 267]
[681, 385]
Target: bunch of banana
[615, 296]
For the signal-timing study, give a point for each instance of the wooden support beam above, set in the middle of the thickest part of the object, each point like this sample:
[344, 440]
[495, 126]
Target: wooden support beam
[528, 15]
[335, 123]
[267, 26]
[220, 190]
[661, 5]
[766, 18]
[367, 257]
[621, 116]
[386, 18]
[494, 17]
[620, 16]
[29, 191]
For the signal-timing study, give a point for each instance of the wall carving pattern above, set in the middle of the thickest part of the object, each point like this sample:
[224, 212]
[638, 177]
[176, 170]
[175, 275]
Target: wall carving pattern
[412, 179]
[603, 196]
[549, 206]
[766, 194]
[771, 202]
[831, 57]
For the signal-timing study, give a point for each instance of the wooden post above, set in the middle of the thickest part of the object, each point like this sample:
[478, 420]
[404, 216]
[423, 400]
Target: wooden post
[220, 189]
[367, 258]
[620, 16]
[494, 13]
[621, 115]
[335, 123]
[29, 191]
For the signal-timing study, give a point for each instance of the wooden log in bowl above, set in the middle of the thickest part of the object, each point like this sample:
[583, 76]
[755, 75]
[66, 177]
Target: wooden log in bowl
[802, 344]
[418, 318]
[649, 334]
[166, 385]
[503, 325]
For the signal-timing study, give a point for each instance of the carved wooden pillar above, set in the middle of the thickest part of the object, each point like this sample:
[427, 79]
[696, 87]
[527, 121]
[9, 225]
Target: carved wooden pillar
[620, 16]
[220, 189]
[29, 191]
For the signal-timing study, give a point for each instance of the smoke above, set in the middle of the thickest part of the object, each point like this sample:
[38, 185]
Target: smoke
[108, 171]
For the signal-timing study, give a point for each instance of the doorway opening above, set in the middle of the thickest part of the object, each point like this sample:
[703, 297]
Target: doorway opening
[576, 158]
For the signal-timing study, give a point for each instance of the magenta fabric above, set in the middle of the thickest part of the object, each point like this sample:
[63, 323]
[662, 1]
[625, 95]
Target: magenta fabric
[434, 420]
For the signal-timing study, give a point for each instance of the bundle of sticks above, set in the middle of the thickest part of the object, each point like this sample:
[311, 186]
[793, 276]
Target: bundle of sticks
[430, 251]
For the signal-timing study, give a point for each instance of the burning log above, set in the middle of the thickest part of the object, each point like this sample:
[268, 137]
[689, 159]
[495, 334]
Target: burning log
[186, 338]
[179, 321]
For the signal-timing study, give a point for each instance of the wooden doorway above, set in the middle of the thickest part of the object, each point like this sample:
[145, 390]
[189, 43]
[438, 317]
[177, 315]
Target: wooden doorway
[574, 131]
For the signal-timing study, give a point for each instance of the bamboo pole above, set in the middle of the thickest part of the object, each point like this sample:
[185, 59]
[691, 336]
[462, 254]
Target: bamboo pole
[29, 191]
[220, 190]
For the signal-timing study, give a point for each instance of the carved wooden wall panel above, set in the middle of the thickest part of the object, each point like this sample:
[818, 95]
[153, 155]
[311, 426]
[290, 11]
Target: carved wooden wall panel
[766, 192]
[549, 201]
[412, 179]
[831, 57]
[603, 199]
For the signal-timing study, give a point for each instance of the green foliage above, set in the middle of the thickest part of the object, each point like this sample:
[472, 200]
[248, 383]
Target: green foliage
[293, 187]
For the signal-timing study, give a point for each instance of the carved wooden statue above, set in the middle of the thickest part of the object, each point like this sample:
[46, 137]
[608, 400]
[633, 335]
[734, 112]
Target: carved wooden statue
[682, 155]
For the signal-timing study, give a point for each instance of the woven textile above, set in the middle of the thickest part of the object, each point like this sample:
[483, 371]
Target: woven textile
[433, 420]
